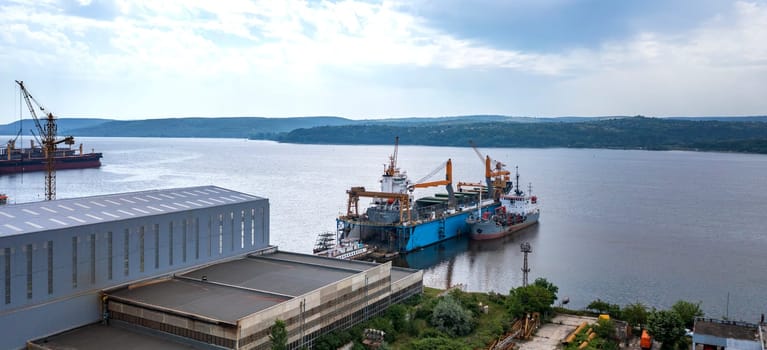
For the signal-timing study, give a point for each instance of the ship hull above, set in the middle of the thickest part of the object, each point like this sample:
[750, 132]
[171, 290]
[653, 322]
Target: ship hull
[408, 238]
[38, 164]
[488, 229]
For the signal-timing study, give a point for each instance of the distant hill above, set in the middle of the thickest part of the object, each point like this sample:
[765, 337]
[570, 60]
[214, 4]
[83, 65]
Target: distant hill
[706, 133]
[623, 133]
[240, 127]
[65, 125]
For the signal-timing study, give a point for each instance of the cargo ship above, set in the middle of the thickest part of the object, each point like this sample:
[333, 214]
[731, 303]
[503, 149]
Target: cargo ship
[36, 157]
[16, 160]
[517, 211]
[396, 222]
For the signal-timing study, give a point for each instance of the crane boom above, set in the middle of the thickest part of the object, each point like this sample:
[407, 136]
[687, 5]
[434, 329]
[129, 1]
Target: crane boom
[392, 169]
[48, 140]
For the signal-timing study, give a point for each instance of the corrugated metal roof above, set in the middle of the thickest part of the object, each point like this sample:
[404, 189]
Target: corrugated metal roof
[16, 219]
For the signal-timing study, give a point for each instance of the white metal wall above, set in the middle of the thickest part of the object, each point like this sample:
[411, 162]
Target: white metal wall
[59, 273]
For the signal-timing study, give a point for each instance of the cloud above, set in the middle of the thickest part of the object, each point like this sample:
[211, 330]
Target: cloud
[298, 48]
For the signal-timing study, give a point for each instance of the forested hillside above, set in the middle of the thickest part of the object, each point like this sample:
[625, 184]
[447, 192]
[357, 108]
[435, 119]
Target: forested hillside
[628, 133]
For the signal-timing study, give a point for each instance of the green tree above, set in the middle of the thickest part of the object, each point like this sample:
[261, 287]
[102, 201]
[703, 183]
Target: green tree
[605, 329]
[665, 326]
[602, 306]
[397, 313]
[450, 317]
[635, 314]
[542, 282]
[279, 335]
[532, 298]
[687, 311]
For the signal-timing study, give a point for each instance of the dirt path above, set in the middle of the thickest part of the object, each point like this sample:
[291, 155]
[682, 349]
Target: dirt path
[550, 335]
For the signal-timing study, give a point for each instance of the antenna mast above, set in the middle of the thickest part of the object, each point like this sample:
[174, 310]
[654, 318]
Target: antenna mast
[525, 268]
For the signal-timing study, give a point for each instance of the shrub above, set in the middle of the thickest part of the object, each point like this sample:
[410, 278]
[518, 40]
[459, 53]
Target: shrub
[450, 317]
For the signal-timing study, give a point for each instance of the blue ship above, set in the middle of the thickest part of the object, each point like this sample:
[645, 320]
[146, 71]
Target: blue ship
[396, 222]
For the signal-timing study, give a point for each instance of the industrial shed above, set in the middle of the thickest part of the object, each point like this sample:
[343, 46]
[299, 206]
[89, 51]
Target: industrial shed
[57, 256]
[234, 304]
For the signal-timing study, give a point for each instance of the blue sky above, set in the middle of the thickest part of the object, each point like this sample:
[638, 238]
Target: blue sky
[376, 59]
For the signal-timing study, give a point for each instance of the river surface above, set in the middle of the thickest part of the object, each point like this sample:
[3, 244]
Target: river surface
[623, 226]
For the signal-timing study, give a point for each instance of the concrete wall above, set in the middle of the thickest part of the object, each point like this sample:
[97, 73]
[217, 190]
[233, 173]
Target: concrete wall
[44, 273]
[315, 312]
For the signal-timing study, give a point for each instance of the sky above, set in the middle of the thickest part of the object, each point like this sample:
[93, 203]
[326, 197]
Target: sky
[377, 59]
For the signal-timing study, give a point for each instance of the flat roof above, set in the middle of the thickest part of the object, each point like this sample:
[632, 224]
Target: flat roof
[17, 219]
[727, 329]
[98, 336]
[273, 275]
[199, 298]
[229, 291]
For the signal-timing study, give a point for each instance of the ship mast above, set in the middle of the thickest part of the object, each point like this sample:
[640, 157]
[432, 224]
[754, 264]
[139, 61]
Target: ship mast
[47, 134]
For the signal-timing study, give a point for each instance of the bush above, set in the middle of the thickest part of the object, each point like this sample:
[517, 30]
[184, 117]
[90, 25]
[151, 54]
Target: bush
[665, 326]
[687, 311]
[438, 344]
[635, 314]
[450, 317]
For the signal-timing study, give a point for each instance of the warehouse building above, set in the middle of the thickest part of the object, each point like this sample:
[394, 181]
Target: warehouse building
[178, 268]
[56, 257]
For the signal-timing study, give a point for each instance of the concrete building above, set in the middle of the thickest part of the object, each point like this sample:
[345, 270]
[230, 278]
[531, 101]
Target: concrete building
[57, 256]
[713, 334]
[176, 269]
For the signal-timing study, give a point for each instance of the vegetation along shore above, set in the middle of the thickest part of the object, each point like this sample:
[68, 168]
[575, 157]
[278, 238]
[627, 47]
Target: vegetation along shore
[454, 319]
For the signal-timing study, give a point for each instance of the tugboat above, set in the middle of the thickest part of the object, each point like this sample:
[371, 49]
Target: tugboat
[517, 211]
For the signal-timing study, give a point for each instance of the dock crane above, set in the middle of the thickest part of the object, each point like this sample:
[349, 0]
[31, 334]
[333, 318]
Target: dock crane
[496, 176]
[47, 136]
[447, 182]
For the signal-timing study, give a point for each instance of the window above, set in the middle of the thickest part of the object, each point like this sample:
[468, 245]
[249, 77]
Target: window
[7, 256]
[50, 266]
[183, 239]
[196, 238]
[242, 229]
[156, 229]
[126, 252]
[28, 250]
[220, 233]
[93, 258]
[141, 249]
[74, 262]
[110, 255]
[263, 227]
[210, 235]
[170, 243]
[252, 226]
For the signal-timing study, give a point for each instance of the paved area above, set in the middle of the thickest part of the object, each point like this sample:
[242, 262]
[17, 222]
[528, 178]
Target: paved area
[550, 335]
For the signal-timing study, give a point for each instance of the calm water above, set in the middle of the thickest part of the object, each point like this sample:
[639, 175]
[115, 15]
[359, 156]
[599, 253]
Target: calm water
[624, 226]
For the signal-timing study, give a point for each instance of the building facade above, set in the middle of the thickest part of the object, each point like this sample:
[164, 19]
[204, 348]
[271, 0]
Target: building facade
[57, 256]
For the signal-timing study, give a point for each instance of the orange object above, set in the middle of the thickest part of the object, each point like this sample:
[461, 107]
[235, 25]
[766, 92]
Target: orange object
[645, 342]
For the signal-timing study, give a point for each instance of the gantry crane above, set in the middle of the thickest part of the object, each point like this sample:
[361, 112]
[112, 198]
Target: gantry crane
[47, 136]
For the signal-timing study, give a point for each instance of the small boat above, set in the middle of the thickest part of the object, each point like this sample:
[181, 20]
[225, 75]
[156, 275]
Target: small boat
[517, 211]
[3, 199]
[346, 249]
